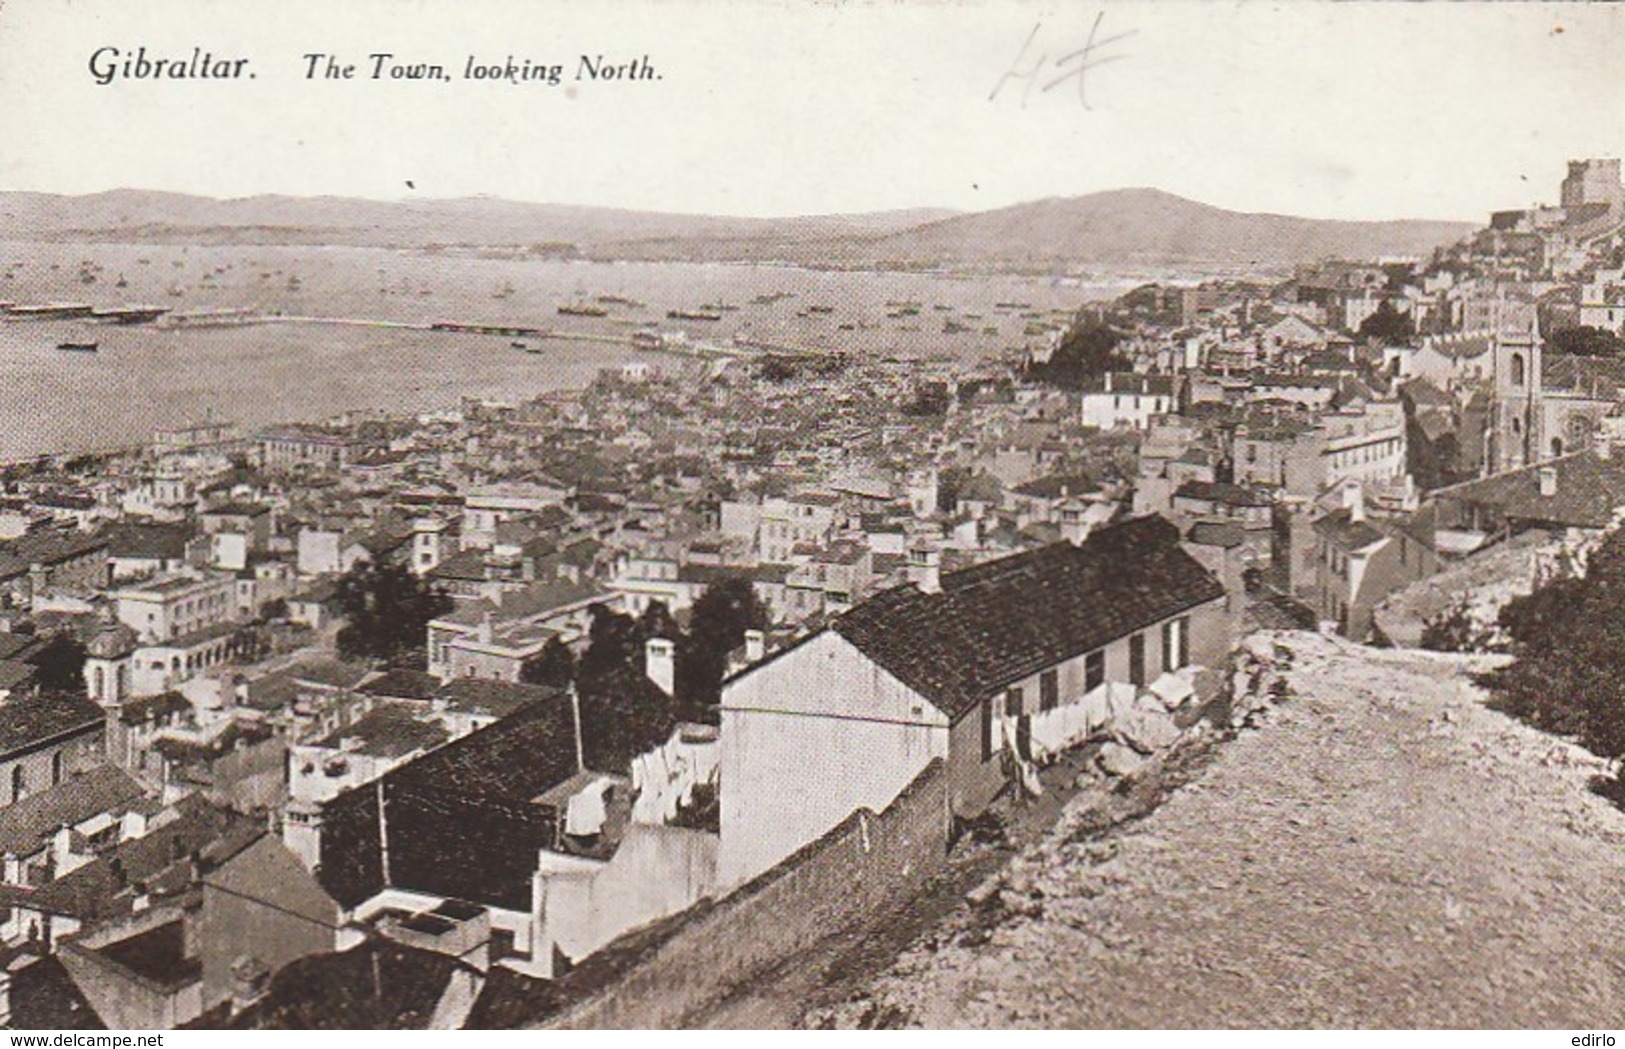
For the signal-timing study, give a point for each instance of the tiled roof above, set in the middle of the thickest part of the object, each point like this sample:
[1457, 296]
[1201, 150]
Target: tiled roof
[1004, 620]
[159, 862]
[537, 600]
[47, 548]
[44, 997]
[510, 1000]
[461, 820]
[28, 824]
[403, 684]
[1588, 489]
[378, 985]
[472, 695]
[148, 542]
[331, 672]
[28, 720]
[1226, 534]
[1348, 533]
[19, 646]
[1221, 492]
[390, 731]
[1602, 377]
[16, 674]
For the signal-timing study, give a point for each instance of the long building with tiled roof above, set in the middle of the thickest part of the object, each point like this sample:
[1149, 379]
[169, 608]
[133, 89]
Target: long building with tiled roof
[847, 718]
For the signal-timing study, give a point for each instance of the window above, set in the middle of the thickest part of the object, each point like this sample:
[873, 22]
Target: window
[1136, 659]
[56, 768]
[1013, 701]
[1183, 652]
[1049, 690]
[1170, 644]
[19, 783]
[1094, 670]
[987, 729]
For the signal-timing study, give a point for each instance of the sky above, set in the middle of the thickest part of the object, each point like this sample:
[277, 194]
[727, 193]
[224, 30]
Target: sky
[1356, 111]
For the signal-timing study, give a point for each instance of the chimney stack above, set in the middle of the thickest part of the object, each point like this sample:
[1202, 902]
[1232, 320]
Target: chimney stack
[925, 568]
[1354, 500]
[660, 663]
[1548, 481]
[755, 646]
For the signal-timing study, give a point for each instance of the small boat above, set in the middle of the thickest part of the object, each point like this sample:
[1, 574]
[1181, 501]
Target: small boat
[693, 315]
[583, 310]
[79, 347]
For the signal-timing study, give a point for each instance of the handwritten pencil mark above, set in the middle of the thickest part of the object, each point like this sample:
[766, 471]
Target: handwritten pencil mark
[1075, 65]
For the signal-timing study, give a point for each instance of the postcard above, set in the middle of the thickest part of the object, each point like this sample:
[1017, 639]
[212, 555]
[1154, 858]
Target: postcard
[714, 514]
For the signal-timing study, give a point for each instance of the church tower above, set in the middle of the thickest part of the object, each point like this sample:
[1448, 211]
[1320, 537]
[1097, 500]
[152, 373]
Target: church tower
[108, 660]
[1518, 392]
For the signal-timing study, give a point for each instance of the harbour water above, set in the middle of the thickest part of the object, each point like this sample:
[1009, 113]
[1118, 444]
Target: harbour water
[145, 376]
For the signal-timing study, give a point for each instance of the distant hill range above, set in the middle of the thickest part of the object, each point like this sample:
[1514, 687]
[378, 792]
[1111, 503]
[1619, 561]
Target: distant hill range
[1119, 228]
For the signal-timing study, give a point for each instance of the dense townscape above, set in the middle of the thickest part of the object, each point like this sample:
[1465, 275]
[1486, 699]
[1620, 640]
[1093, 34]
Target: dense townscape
[502, 714]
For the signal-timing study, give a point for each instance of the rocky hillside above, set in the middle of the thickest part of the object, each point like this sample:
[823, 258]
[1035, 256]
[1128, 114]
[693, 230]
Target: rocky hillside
[1377, 849]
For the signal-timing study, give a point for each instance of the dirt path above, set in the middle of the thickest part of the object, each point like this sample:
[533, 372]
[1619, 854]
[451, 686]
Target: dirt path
[1381, 851]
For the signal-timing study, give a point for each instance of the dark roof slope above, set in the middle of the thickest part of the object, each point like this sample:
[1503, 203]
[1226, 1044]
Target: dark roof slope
[148, 541]
[27, 825]
[462, 821]
[1588, 490]
[45, 998]
[378, 985]
[158, 863]
[1222, 492]
[26, 721]
[996, 623]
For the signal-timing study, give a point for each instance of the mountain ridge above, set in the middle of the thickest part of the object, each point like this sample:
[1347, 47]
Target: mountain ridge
[1130, 226]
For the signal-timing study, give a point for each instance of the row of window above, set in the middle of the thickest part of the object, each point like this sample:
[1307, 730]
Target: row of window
[1367, 453]
[1175, 654]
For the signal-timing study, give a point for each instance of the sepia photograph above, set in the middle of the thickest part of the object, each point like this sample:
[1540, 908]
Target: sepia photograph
[794, 514]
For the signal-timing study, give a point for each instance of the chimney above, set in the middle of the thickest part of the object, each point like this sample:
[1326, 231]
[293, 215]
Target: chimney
[755, 646]
[485, 629]
[1354, 500]
[660, 663]
[250, 979]
[925, 568]
[1548, 481]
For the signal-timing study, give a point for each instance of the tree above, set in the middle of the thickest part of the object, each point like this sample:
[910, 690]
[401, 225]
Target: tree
[1086, 353]
[387, 610]
[60, 665]
[613, 641]
[1387, 324]
[657, 621]
[555, 665]
[1569, 641]
[950, 482]
[1585, 342]
[722, 614]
